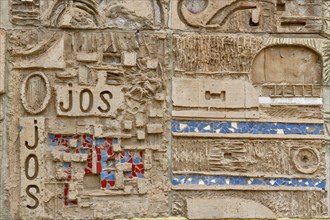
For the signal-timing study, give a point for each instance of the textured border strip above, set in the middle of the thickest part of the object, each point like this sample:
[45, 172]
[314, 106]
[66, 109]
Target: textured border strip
[291, 101]
[254, 128]
[250, 136]
[203, 180]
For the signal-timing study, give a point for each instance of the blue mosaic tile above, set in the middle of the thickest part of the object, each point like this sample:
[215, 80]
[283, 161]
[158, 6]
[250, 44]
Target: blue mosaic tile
[246, 181]
[246, 127]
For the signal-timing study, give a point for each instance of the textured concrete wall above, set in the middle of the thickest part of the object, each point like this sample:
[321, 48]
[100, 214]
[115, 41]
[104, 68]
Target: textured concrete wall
[202, 109]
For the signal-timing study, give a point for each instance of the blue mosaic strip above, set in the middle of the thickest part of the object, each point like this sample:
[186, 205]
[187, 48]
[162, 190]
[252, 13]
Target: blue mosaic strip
[246, 127]
[245, 181]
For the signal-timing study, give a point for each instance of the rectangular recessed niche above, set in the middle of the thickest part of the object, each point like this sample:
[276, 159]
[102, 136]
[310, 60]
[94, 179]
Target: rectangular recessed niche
[220, 96]
[110, 58]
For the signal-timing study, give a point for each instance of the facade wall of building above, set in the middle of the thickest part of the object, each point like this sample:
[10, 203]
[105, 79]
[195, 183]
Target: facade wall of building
[204, 109]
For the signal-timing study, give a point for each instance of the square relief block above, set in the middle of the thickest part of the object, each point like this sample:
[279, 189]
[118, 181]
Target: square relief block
[124, 14]
[247, 16]
[129, 58]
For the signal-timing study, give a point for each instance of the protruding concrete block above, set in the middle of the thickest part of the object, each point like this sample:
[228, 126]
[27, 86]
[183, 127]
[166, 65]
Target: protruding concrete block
[154, 128]
[129, 58]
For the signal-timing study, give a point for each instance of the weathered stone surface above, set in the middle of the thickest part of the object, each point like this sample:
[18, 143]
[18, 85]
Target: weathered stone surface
[94, 101]
[271, 200]
[226, 208]
[201, 109]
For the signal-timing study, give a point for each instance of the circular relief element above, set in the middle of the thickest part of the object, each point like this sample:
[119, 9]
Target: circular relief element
[306, 160]
[195, 6]
[35, 92]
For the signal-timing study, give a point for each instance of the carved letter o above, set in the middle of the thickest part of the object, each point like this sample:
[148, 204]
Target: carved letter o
[27, 164]
[37, 107]
[90, 100]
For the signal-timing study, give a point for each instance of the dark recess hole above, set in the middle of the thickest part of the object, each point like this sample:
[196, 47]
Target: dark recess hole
[293, 23]
[227, 155]
[251, 23]
[280, 7]
[305, 159]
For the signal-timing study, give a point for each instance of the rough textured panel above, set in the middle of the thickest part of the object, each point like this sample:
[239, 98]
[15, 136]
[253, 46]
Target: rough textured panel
[252, 157]
[226, 208]
[281, 203]
[205, 53]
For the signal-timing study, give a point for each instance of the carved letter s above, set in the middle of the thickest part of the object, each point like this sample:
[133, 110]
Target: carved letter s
[106, 102]
[36, 204]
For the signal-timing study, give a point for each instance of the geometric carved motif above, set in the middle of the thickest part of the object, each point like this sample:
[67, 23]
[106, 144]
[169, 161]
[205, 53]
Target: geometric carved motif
[254, 16]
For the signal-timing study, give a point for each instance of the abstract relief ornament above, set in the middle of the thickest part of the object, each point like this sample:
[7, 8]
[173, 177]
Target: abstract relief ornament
[73, 14]
[249, 16]
[306, 160]
[90, 14]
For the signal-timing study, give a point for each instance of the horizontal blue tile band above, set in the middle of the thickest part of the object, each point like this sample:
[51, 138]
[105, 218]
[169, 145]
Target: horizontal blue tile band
[245, 181]
[246, 127]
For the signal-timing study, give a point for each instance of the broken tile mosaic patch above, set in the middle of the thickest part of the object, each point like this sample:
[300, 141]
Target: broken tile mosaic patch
[272, 128]
[178, 180]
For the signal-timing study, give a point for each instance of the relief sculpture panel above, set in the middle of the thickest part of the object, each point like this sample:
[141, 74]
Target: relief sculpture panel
[197, 109]
[246, 121]
[91, 123]
[90, 14]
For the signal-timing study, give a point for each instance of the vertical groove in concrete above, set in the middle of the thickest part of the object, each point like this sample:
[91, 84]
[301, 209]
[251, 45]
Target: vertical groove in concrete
[326, 116]
[4, 209]
[169, 150]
